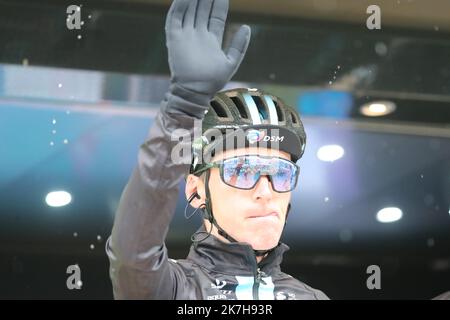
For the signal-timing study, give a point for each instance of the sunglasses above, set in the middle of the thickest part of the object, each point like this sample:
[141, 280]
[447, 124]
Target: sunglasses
[244, 172]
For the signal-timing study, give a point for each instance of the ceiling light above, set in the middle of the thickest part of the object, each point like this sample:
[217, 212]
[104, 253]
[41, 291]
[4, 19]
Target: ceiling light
[377, 108]
[330, 153]
[387, 215]
[58, 198]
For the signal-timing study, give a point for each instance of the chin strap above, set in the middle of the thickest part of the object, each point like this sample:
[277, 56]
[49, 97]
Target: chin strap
[208, 215]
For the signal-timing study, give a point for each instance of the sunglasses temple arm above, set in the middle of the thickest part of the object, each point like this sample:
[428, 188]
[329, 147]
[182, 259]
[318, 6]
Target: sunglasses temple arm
[207, 167]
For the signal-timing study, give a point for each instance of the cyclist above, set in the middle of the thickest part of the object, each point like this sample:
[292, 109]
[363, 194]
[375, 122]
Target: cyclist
[243, 189]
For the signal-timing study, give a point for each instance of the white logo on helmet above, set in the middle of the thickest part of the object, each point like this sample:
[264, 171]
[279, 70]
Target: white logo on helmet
[254, 136]
[273, 138]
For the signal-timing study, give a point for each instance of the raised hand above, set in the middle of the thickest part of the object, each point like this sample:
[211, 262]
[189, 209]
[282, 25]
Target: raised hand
[194, 35]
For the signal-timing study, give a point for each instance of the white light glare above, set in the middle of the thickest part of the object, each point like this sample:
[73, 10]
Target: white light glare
[330, 153]
[58, 198]
[391, 214]
[377, 109]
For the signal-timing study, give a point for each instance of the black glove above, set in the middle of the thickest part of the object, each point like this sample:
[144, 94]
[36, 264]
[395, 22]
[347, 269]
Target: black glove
[199, 67]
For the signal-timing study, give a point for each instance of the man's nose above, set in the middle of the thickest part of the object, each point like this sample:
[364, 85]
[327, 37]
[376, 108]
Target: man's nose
[263, 188]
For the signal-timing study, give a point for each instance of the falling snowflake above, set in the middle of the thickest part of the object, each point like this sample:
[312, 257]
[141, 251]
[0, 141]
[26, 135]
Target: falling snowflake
[381, 49]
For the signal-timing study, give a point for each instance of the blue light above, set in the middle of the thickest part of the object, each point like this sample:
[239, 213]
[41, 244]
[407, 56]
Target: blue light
[336, 104]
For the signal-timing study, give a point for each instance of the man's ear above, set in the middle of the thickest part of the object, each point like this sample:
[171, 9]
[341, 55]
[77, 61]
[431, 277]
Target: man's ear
[194, 185]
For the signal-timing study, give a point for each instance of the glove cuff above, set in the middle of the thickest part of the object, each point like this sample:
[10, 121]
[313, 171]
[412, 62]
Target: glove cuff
[182, 101]
[191, 96]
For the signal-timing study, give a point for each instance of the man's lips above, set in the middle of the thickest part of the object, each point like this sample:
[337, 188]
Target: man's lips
[269, 214]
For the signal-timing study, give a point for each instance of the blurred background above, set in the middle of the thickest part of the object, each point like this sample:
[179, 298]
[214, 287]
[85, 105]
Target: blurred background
[374, 189]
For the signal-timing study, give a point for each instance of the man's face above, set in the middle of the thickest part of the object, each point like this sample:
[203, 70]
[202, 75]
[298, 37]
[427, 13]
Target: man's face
[253, 216]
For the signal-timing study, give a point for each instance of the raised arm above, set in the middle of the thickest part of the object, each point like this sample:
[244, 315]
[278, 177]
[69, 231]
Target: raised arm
[139, 266]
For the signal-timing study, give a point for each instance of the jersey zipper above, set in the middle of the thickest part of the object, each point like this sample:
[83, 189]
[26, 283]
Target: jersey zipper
[258, 279]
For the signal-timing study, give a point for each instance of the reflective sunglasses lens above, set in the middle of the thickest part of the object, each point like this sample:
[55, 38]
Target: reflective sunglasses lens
[240, 173]
[285, 177]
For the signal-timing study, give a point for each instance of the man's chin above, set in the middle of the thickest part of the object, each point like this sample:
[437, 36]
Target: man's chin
[265, 241]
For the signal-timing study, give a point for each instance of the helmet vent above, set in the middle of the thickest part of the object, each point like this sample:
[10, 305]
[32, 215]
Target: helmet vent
[219, 110]
[294, 118]
[263, 113]
[279, 112]
[240, 106]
